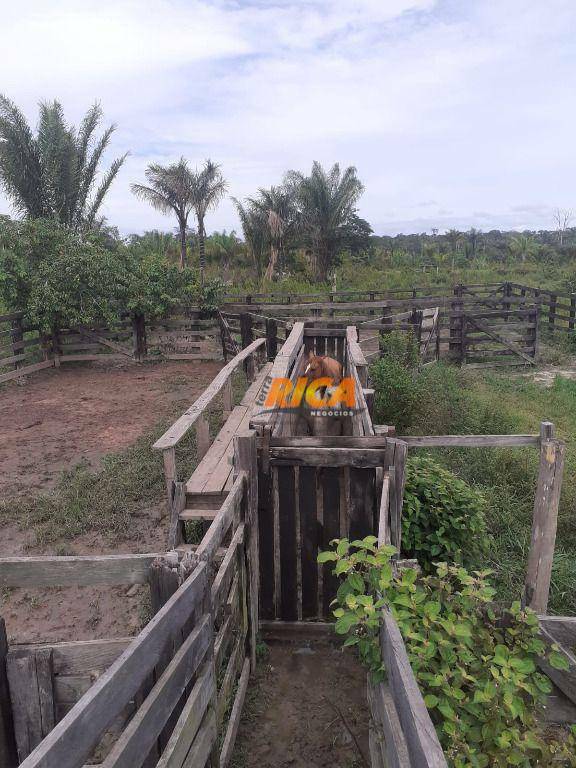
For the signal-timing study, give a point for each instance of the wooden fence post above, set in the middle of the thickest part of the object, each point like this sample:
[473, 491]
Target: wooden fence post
[139, 336]
[572, 319]
[271, 338]
[552, 311]
[247, 336]
[56, 347]
[8, 755]
[545, 519]
[456, 322]
[17, 337]
[246, 459]
[202, 436]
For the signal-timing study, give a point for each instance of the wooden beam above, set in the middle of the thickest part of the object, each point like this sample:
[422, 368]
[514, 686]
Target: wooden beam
[422, 743]
[235, 714]
[464, 441]
[328, 457]
[139, 736]
[72, 740]
[246, 461]
[544, 520]
[391, 741]
[181, 426]
[497, 337]
[8, 754]
[190, 719]
[77, 570]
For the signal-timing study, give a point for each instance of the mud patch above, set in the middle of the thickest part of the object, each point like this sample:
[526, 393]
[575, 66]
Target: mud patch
[305, 707]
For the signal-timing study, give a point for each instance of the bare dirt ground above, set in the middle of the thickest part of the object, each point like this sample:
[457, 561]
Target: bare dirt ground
[306, 708]
[52, 422]
[61, 416]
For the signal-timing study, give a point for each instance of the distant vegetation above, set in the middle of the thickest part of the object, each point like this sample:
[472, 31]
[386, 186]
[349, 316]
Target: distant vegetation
[64, 263]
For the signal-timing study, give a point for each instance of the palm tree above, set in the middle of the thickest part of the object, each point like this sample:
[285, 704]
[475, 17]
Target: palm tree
[169, 190]
[277, 209]
[208, 188]
[226, 246]
[255, 231]
[325, 203]
[52, 174]
[454, 238]
[522, 246]
[474, 236]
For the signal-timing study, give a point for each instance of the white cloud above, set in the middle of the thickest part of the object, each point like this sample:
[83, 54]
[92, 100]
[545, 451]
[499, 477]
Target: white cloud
[468, 105]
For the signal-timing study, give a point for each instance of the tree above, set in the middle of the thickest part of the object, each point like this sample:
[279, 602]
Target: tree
[169, 190]
[277, 211]
[226, 247]
[474, 236]
[562, 217]
[52, 174]
[207, 189]
[325, 203]
[454, 238]
[523, 246]
[254, 229]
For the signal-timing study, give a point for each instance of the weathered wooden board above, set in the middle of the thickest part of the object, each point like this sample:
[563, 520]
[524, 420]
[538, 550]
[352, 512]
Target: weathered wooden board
[81, 570]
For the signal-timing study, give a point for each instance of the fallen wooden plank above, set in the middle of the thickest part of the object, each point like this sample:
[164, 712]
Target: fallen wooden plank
[79, 571]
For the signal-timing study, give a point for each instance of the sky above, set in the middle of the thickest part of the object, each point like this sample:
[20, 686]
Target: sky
[456, 113]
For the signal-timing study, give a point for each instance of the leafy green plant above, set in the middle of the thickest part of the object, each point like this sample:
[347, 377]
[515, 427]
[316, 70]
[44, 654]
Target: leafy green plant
[475, 663]
[397, 393]
[442, 516]
[400, 347]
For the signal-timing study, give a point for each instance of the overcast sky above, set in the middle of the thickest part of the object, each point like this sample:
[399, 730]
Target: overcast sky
[455, 113]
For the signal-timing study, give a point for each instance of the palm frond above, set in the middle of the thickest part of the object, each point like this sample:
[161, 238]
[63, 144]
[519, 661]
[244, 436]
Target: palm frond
[103, 189]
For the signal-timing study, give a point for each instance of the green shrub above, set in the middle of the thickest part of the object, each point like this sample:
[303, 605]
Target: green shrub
[400, 347]
[442, 516]
[397, 394]
[476, 667]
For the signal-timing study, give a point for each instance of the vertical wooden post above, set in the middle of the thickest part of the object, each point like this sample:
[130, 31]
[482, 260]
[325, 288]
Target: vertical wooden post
[507, 295]
[552, 311]
[247, 336]
[30, 677]
[456, 321]
[545, 520]
[246, 459]
[139, 342]
[17, 337]
[202, 436]
[572, 318]
[271, 338]
[227, 398]
[170, 476]
[56, 347]
[8, 755]
[369, 397]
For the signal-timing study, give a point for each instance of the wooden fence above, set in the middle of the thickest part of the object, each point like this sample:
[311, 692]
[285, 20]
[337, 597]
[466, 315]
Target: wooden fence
[172, 696]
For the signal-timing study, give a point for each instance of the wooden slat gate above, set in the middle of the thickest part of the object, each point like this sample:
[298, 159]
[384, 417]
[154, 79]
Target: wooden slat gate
[313, 490]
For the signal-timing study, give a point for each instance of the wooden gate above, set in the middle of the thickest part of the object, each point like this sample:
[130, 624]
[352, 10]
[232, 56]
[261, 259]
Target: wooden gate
[313, 490]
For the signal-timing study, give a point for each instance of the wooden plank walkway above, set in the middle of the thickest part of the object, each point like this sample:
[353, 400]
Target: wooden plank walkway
[213, 476]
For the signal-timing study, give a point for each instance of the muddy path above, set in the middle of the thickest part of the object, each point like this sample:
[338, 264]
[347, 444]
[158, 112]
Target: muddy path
[305, 708]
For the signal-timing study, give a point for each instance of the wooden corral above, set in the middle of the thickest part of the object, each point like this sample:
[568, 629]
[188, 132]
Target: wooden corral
[273, 496]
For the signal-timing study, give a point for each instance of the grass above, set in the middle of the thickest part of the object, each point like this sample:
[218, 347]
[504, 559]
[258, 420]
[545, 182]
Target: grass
[109, 500]
[486, 403]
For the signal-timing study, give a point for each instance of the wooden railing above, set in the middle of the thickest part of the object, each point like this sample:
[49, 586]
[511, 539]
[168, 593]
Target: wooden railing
[196, 415]
[185, 671]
